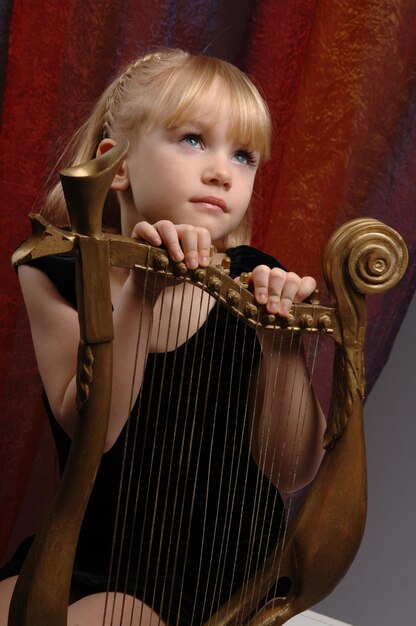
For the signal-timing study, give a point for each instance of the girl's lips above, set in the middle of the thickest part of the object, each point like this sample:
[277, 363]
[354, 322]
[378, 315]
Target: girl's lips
[213, 201]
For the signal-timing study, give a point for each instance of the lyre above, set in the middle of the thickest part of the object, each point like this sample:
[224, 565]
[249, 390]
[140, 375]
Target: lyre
[363, 256]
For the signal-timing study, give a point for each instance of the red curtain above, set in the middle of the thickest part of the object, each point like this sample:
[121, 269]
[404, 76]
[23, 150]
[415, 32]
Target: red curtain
[339, 76]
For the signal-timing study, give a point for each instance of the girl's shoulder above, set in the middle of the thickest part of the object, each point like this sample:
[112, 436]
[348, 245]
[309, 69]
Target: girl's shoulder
[245, 258]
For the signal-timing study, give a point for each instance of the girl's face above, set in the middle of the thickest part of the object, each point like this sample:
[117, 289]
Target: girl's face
[195, 174]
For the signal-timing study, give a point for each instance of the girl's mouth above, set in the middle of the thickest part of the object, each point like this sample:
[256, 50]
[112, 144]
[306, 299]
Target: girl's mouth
[211, 202]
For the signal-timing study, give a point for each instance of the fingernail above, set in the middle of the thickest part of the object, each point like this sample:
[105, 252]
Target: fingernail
[176, 254]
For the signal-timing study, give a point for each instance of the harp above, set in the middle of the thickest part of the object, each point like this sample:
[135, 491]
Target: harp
[317, 547]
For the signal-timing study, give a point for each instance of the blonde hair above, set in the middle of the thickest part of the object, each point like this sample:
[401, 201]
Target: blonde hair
[165, 88]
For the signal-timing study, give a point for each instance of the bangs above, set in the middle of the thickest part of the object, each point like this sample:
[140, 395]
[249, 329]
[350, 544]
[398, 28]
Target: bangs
[179, 96]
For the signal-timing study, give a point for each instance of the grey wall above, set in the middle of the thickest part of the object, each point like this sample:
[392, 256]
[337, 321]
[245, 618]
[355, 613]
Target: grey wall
[380, 588]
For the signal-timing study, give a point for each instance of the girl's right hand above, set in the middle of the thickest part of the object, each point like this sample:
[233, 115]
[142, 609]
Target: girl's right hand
[183, 242]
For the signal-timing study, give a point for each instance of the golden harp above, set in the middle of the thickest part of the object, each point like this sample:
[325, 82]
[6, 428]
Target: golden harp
[317, 547]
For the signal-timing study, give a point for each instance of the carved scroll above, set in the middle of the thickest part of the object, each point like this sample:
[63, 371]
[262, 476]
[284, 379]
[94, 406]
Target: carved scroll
[363, 256]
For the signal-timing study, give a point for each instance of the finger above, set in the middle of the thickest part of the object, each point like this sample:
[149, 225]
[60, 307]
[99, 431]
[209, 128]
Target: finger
[307, 287]
[146, 231]
[277, 281]
[170, 238]
[289, 291]
[188, 238]
[204, 246]
[260, 279]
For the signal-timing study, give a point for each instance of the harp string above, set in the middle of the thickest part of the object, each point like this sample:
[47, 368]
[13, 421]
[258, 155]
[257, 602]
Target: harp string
[145, 436]
[307, 362]
[199, 444]
[165, 435]
[227, 514]
[248, 429]
[212, 426]
[238, 456]
[306, 389]
[197, 335]
[156, 419]
[260, 391]
[261, 469]
[113, 561]
[231, 496]
[120, 523]
[310, 363]
[298, 438]
[210, 459]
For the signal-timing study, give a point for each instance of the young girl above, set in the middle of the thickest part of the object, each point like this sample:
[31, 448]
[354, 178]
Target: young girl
[203, 508]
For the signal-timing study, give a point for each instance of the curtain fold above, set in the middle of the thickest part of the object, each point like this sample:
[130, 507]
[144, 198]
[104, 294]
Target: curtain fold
[339, 77]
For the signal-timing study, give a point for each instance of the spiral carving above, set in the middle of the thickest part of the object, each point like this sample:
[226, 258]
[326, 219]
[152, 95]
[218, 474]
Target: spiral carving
[370, 257]
[377, 261]
[376, 255]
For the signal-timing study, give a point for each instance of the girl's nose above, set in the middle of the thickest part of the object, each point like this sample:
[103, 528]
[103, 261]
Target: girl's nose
[217, 172]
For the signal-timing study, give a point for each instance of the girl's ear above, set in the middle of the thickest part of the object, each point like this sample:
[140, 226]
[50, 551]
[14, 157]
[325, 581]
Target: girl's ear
[121, 180]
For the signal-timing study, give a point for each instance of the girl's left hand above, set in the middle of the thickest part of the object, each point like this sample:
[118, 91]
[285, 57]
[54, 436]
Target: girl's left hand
[183, 242]
[278, 290]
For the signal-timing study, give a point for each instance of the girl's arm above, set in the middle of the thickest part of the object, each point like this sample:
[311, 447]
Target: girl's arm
[55, 327]
[288, 421]
[55, 332]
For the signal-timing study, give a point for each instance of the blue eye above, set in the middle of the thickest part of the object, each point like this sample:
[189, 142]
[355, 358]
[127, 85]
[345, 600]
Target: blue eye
[192, 139]
[245, 157]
